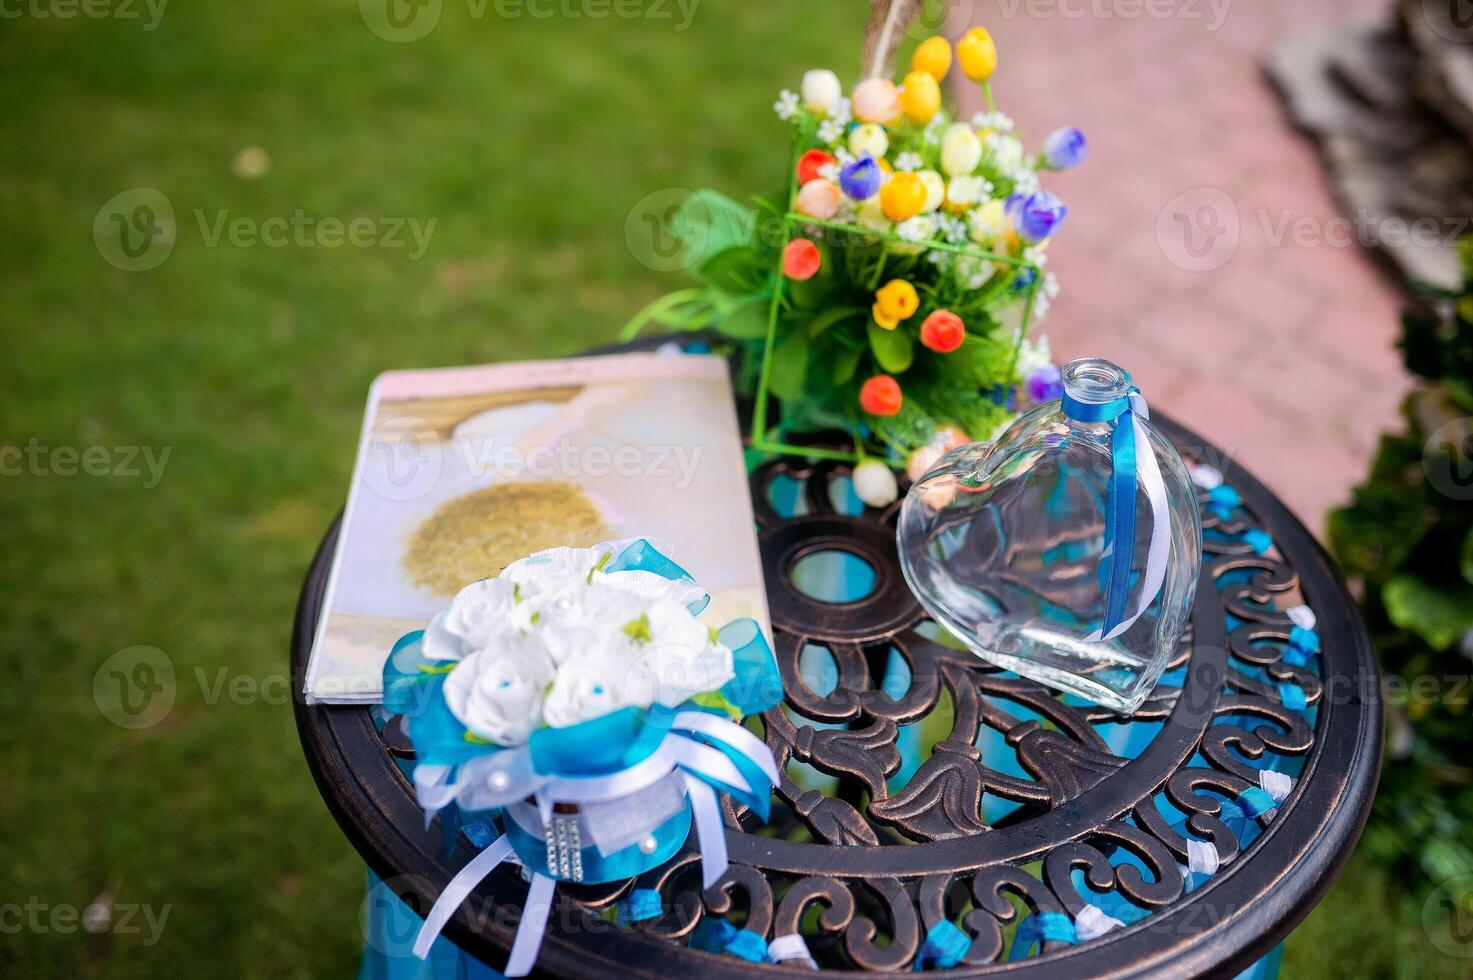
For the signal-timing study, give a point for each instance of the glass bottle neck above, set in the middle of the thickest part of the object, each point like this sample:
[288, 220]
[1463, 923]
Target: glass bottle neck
[1095, 381]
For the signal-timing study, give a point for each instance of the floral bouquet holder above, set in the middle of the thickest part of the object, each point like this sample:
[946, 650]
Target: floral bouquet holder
[576, 702]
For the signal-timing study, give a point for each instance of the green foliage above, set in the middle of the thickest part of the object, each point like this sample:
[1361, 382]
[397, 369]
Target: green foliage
[1408, 535]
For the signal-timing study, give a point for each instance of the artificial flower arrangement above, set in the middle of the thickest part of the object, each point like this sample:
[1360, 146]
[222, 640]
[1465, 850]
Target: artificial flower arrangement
[577, 702]
[893, 295]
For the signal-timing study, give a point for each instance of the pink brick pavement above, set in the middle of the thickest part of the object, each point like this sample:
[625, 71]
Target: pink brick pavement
[1277, 348]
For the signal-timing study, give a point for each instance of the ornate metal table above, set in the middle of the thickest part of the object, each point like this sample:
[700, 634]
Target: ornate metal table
[929, 797]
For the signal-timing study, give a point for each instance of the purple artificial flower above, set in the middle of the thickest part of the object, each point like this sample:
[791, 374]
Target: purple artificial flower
[1035, 216]
[1064, 149]
[860, 178]
[1044, 384]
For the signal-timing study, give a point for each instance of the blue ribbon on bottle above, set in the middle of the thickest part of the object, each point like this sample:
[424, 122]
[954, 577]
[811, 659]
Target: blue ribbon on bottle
[1120, 501]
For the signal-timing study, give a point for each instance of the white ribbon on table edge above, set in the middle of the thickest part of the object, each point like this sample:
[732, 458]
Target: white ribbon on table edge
[507, 777]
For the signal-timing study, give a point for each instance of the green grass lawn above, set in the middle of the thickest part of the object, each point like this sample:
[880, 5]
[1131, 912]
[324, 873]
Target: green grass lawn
[527, 142]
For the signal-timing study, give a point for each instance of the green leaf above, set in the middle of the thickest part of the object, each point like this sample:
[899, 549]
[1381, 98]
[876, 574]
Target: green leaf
[1438, 615]
[1465, 560]
[735, 270]
[789, 365]
[893, 349]
[747, 321]
[846, 361]
[829, 317]
[709, 223]
[719, 702]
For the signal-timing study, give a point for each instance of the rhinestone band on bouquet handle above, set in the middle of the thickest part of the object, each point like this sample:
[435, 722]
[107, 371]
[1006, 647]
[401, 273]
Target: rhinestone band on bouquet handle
[576, 703]
[890, 293]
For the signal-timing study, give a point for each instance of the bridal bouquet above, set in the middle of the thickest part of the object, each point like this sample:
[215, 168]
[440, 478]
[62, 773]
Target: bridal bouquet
[577, 702]
[891, 291]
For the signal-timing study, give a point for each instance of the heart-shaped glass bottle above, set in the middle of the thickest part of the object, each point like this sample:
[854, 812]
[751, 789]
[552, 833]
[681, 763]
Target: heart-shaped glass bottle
[1068, 550]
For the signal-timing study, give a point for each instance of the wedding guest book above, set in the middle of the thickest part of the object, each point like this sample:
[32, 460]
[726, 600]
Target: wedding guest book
[462, 471]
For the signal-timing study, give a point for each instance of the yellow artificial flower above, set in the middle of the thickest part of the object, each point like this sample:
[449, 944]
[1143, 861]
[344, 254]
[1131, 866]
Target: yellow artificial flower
[894, 301]
[977, 54]
[920, 96]
[932, 56]
[903, 196]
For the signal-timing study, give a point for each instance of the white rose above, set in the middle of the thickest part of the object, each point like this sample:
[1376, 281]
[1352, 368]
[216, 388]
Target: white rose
[588, 687]
[935, 189]
[498, 693]
[575, 622]
[554, 565]
[961, 150]
[821, 90]
[479, 614]
[869, 138]
[679, 661]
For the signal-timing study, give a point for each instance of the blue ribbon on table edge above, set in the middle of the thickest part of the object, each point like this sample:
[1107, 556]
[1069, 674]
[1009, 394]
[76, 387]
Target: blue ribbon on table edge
[697, 746]
[1131, 461]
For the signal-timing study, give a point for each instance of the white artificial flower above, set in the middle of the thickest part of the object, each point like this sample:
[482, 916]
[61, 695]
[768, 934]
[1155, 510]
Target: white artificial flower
[677, 658]
[988, 223]
[1034, 355]
[1036, 254]
[998, 121]
[874, 483]
[932, 132]
[966, 191]
[786, 105]
[1043, 300]
[1004, 152]
[479, 614]
[842, 154]
[584, 689]
[935, 189]
[497, 693]
[953, 229]
[842, 113]
[550, 567]
[821, 90]
[909, 162]
[829, 172]
[830, 131]
[571, 619]
[973, 271]
[961, 150]
[558, 639]
[870, 139]
[1025, 181]
[921, 228]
